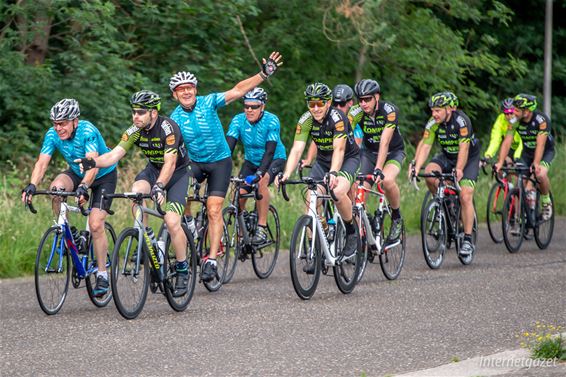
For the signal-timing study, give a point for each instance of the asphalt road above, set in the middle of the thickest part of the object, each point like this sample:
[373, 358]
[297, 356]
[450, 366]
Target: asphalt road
[261, 328]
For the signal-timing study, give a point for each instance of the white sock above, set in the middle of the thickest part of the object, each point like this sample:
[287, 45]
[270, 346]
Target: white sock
[104, 274]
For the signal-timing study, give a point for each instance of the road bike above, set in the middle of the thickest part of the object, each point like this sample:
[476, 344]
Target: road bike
[60, 243]
[243, 225]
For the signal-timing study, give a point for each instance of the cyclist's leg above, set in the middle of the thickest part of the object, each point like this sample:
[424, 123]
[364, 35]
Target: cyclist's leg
[467, 184]
[439, 163]
[66, 181]
[346, 177]
[263, 205]
[542, 173]
[176, 189]
[367, 164]
[98, 214]
[318, 171]
[247, 169]
[218, 182]
[391, 170]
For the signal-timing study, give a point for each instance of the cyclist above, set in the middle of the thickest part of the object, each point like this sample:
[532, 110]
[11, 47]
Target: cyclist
[538, 144]
[342, 99]
[384, 149]
[460, 152]
[204, 137]
[264, 153]
[75, 138]
[498, 132]
[337, 158]
[161, 142]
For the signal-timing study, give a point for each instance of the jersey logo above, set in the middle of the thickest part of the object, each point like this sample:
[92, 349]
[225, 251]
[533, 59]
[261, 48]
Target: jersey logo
[430, 123]
[298, 131]
[132, 130]
[391, 117]
[170, 140]
[304, 118]
[339, 126]
[166, 127]
[335, 115]
[464, 131]
[125, 137]
[461, 122]
[426, 134]
[542, 126]
[388, 108]
[355, 110]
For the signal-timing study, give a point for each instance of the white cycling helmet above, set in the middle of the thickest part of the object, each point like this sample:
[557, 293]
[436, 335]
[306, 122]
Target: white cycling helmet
[66, 109]
[181, 78]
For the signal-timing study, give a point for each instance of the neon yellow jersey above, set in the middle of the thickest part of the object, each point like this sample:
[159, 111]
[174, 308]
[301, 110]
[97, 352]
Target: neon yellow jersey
[498, 132]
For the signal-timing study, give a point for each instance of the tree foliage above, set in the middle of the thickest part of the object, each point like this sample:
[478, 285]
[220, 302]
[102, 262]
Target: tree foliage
[99, 52]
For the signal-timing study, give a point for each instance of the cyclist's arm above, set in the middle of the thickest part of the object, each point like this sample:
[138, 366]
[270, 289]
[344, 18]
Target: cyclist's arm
[463, 153]
[505, 146]
[497, 134]
[168, 168]
[386, 136]
[311, 154]
[90, 175]
[40, 168]
[421, 156]
[339, 146]
[539, 151]
[294, 157]
[242, 88]
[232, 141]
[110, 158]
[267, 156]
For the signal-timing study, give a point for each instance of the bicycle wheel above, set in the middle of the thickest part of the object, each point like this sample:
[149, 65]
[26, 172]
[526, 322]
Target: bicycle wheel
[514, 219]
[130, 274]
[392, 258]
[91, 278]
[434, 234]
[494, 210]
[179, 303]
[466, 259]
[52, 271]
[426, 201]
[363, 240]
[264, 257]
[222, 258]
[346, 272]
[304, 262]
[234, 240]
[544, 229]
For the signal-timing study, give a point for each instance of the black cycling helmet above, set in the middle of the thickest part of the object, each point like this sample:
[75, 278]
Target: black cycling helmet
[366, 87]
[66, 109]
[453, 99]
[342, 93]
[525, 101]
[507, 106]
[256, 94]
[441, 99]
[145, 99]
[318, 90]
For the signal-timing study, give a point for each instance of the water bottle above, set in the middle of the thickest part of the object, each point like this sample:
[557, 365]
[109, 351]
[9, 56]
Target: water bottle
[531, 199]
[192, 226]
[246, 216]
[82, 243]
[75, 234]
[331, 229]
[252, 220]
[160, 250]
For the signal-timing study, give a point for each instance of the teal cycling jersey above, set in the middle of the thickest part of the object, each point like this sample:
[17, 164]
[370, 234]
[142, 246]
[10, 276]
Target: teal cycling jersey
[358, 133]
[202, 130]
[85, 139]
[255, 136]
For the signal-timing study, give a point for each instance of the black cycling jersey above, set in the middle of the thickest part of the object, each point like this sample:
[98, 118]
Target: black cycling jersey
[386, 116]
[451, 134]
[163, 138]
[538, 125]
[335, 125]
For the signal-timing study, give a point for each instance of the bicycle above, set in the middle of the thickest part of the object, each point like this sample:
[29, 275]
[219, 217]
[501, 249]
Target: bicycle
[243, 225]
[441, 223]
[372, 232]
[309, 238]
[521, 214]
[494, 206]
[61, 242]
[140, 262]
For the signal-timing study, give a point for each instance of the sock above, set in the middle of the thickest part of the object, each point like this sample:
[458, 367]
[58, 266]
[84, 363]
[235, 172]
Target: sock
[104, 274]
[468, 237]
[545, 199]
[182, 266]
[395, 213]
[349, 227]
[212, 260]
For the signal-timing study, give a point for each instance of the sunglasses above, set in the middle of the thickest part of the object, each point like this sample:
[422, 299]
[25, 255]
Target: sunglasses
[338, 104]
[508, 111]
[366, 99]
[139, 111]
[253, 107]
[316, 103]
[184, 88]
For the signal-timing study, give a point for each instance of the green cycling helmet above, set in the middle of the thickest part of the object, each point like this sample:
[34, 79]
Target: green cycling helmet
[318, 90]
[146, 99]
[525, 101]
[441, 99]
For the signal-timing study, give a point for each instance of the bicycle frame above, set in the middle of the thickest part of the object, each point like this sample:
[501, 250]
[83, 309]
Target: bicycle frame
[375, 243]
[235, 204]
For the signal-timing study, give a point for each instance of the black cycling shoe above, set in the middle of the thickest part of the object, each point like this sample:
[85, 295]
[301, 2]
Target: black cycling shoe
[209, 271]
[181, 283]
[309, 267]
[394, 231]
[351, 245]
[101, 288]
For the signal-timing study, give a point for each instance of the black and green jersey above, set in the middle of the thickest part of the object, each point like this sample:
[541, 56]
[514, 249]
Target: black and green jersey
[451, 134]
[538, 125]
[386, 117]
[163, 138]
[335, 125]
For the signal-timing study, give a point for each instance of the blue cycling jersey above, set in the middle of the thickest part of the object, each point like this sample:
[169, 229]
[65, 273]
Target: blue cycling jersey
[254, 137]
[358, 133]
[87, 139]
[202, 130]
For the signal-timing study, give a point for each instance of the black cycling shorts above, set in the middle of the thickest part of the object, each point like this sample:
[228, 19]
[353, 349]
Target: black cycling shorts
[471, 170]
[546, 160]
[369, 158]
[107, 183]
[349, 169]
[275, 168]
[216, 173]
[176, 187]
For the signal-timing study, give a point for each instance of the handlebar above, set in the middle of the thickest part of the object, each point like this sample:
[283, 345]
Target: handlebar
[62, 194]
[361, 178]
[301, 167]
[312, 183]
[137, 197]
[442, 177]
[239, 181]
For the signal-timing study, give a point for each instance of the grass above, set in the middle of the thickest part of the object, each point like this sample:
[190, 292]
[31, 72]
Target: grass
[544, 342]
[20, 231]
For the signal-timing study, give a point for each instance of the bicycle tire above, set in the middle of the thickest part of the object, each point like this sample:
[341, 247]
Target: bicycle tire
[392, 259]
[301, 255]
[434, 228]
[513, 224]
[234, 239]
[52, 284]
[264, 257]
[346, 272]
[494, 211]
[544, 230]
[90, 280]
[129, 287]
[180, 303]
[467, 259]
[363, 240]
[222, 258]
